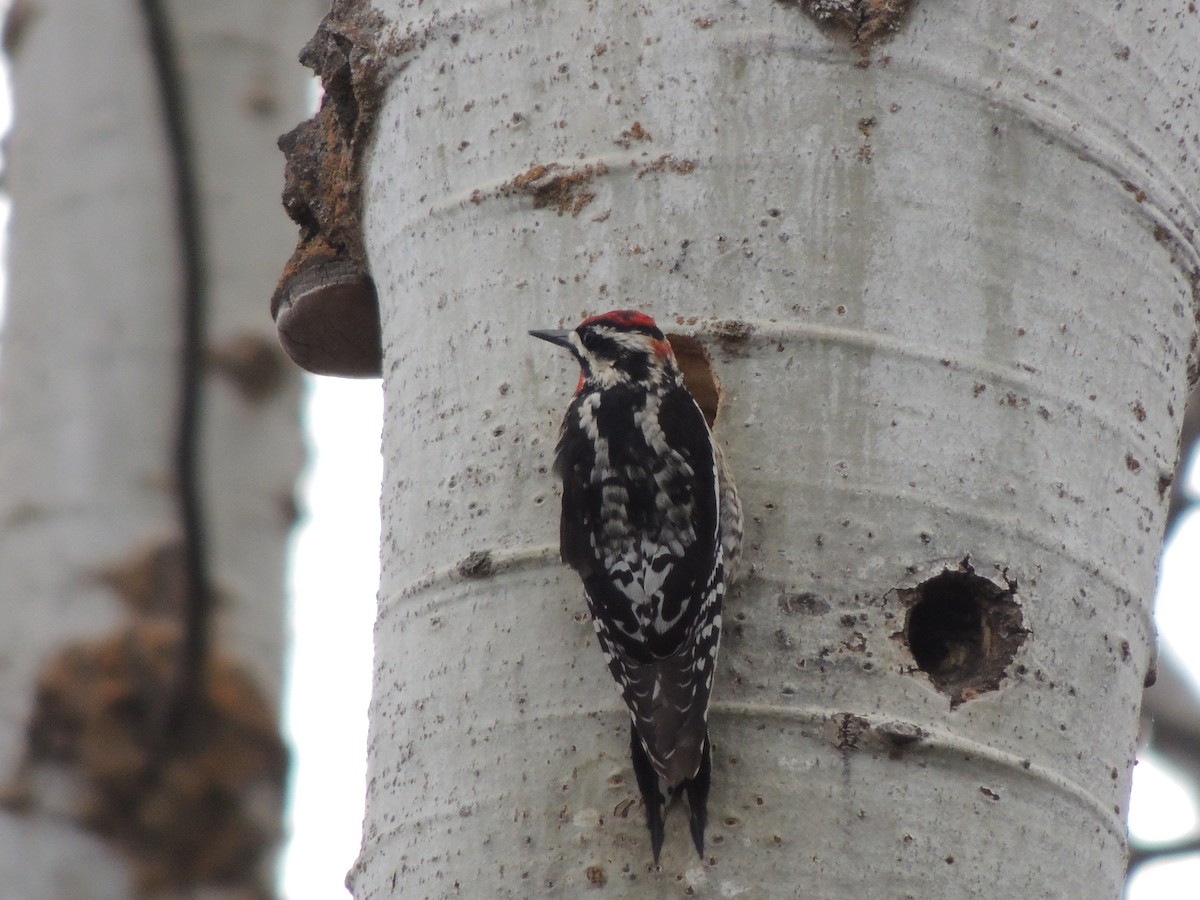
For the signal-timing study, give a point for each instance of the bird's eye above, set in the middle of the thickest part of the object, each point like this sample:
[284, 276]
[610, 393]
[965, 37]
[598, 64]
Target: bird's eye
[590, 339]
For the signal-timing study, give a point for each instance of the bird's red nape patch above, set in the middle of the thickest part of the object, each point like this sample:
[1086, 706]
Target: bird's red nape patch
[622, 318]
[662, 349]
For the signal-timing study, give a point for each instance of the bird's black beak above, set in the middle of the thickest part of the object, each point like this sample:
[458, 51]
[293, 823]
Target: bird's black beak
[560, 337]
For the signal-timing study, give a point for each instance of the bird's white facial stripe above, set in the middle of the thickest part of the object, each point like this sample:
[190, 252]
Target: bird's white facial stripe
[604, 371]
[587, 421]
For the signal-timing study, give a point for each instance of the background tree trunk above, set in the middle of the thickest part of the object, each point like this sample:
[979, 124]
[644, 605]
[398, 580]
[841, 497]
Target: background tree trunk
[949, 285]
[91, 551]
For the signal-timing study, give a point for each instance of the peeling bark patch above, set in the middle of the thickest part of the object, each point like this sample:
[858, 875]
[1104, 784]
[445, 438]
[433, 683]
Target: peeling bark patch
[562, 188]
[849, 732]
[325, 326]
[196, 813]
[477, 565]
[669, 163]
[963, 631]
[868, 22]
[568, 188]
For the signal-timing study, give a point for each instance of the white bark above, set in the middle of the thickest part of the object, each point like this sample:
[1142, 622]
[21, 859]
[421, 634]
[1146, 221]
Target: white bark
[246, 88]
[962, 315]
[88, 397]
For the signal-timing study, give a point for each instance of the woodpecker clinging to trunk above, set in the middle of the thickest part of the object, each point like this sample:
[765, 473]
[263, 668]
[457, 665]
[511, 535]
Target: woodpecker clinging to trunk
[652, 523]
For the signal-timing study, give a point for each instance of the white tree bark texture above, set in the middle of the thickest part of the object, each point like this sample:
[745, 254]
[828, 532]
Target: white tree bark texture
[89, 393]
[949, 287]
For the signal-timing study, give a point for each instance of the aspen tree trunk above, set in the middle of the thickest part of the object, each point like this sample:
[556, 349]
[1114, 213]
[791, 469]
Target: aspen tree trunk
[91, 549]
[946, 269]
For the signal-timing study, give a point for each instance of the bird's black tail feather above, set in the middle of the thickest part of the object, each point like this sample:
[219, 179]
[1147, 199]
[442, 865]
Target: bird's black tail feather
[647, 780]
[696, 789]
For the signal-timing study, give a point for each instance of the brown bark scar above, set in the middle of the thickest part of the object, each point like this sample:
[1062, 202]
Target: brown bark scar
[561, 188]
[188, 818]
[867, 22]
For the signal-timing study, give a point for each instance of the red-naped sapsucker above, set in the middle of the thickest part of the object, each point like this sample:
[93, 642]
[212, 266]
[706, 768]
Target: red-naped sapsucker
[652, 523]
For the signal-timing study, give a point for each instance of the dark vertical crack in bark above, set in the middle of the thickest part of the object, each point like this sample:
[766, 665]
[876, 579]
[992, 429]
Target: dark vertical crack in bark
[197, 612]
